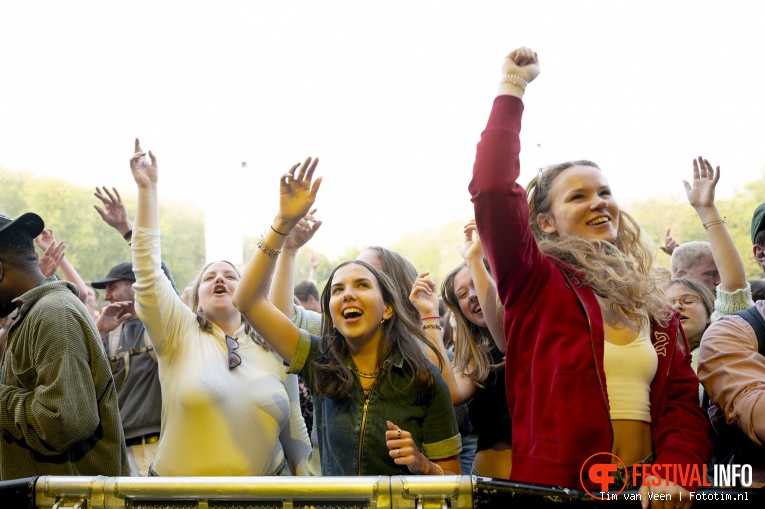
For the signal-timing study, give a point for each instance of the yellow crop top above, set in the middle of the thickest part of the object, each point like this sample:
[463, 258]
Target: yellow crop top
[630, 369]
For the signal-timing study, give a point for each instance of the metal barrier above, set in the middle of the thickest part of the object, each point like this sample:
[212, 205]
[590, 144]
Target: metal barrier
[381, 492]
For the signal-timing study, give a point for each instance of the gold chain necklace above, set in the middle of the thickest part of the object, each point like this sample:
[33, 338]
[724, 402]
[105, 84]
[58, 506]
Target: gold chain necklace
[363, 374]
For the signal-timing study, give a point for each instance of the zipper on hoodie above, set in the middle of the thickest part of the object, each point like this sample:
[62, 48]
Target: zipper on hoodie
[364, 421]
[592, 347]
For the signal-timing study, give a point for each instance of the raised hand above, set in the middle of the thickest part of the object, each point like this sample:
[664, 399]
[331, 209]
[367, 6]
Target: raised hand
[522, 62]
[45, 239]
[114, 212]
[472, 249]
[303, 231]
[113, 315]
[297, 192]
[52, 257]
[144, 168]
[701, 192]
[424, 295]
[315, 261]
[669, 244]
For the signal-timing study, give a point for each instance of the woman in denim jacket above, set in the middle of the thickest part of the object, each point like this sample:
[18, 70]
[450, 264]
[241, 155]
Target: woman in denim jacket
[381, 408]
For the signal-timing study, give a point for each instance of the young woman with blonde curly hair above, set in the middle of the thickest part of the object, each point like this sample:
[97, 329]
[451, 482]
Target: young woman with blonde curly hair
[593, 365]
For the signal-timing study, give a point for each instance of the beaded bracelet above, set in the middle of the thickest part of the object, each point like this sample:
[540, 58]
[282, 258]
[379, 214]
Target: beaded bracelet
[712, 223]
[432, 326]
[268, 249]
[439, 470]
[516, 80]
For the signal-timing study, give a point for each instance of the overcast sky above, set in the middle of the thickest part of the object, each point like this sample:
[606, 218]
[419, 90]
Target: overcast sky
[392, 96]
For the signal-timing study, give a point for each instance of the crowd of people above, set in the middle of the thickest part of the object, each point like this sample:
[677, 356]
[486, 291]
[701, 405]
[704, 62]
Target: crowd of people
[556, 339]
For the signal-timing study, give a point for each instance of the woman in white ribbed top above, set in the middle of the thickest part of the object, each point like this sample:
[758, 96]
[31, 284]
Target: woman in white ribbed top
[228, 406]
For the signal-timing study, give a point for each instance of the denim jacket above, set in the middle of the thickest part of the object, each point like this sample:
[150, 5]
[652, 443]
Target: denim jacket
[351, 431]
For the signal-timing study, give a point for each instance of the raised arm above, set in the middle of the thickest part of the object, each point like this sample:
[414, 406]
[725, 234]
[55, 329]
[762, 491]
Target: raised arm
[701, 196]
[156, 303]
[424, 297]
[145, 174]
[282, 292]
[501, 208]
[51, 258]
[297, 195]
[485, 288]
[114, 212]
[669, 244]
[46, 240]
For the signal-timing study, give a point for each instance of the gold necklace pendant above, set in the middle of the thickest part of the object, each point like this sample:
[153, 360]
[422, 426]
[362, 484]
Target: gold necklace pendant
[363, 374]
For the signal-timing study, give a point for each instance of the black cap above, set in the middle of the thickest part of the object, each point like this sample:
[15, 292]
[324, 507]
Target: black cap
[29, 222]
[117, 273]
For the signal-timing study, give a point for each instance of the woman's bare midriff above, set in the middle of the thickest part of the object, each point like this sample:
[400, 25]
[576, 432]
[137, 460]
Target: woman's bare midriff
[632, 440]
[495, 461]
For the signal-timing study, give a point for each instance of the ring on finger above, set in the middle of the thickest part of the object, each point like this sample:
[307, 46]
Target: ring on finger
[399, 434]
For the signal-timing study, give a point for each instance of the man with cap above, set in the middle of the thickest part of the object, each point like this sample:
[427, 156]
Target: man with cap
[758, 236]
[134, 366]
[58, 402]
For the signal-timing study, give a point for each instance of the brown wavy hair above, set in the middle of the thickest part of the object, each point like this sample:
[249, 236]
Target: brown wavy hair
[401, 334]
[621, 272]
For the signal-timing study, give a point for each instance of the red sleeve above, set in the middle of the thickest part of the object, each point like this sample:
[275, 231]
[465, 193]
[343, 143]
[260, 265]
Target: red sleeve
[501, 208]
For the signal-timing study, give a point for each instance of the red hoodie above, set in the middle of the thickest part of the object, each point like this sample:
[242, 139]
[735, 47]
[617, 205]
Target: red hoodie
[556, 385]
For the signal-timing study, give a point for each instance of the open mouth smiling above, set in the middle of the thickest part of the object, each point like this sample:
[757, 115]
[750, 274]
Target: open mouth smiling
[599, 220]
[351, 313]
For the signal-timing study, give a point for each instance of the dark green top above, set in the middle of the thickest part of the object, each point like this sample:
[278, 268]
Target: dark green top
[351, 431]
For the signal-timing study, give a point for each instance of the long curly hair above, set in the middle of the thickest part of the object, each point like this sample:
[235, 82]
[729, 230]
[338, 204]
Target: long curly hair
[401, 334]
[621, 272]
[472, 342]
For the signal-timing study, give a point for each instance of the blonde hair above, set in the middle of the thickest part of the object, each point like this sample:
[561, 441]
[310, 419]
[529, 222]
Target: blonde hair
[621, 272]
[472, 344]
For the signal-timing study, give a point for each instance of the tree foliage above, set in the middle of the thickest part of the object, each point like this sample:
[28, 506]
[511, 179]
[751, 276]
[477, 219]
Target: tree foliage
[92, 246]
[656, 216]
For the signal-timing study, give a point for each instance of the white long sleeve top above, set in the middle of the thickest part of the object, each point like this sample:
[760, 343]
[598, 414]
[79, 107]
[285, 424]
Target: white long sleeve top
[215, 421]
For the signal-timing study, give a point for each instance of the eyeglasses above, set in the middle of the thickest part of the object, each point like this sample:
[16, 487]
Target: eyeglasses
[233, 358]
[687, 301]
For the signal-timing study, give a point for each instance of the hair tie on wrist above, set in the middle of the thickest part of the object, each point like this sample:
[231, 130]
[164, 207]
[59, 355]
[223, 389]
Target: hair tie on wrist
[712, 223]
[430, 318]
[280, 233]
